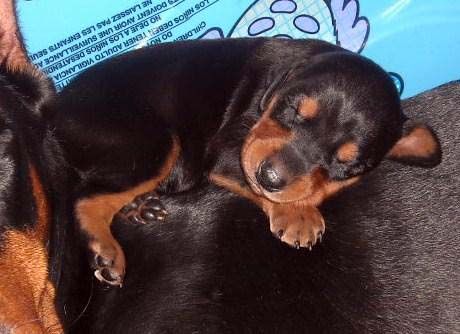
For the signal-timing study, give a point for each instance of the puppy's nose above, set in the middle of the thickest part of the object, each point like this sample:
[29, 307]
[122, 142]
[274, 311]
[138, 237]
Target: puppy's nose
[269, 177]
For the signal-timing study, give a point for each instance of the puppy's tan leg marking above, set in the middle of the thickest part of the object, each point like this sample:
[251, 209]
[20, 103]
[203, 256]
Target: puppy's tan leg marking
[297, 223]
[95, 215]
[26, 293]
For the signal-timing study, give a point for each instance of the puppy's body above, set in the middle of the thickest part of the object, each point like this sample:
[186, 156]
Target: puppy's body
[120, 116]
[389, 263]
[285, 123]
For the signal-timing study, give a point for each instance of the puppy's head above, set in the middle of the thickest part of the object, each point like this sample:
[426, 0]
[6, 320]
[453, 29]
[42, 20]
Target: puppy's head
[326, 122]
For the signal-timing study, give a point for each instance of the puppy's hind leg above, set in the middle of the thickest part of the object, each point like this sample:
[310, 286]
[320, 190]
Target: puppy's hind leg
[95, 214]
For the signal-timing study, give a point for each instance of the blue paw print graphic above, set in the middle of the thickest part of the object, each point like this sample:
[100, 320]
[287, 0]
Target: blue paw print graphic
[335, 21]
[286, 19]
[304, 23]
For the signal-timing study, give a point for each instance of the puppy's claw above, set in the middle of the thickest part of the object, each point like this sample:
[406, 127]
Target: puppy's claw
[104, 275]
[108, 263]
[320, 236]
[135, 220]
[128, 207]
[297, 244]
[149, 197]
[280, 234]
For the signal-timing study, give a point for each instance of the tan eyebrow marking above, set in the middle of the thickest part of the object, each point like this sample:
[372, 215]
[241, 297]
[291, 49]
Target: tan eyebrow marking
[347, 152]
[308, 108]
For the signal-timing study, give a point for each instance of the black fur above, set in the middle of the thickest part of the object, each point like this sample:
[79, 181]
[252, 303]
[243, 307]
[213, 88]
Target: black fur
[26, 142]
[389, 263]
[116, 120]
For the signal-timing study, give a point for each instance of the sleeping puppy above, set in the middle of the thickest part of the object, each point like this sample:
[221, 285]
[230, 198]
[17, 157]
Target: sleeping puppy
[35, 236]
[284, 123]
[389, 263]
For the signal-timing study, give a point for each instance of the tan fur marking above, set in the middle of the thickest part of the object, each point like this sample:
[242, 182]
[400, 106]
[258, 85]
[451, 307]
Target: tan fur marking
[299, 189]
[347, 152]
[328, 189]
[324, 189]
[300, 221]
[418, 143]
[264, 139]
[12, 51]
[95, 214]
[308, 108]
[234, 187]
[26, 294]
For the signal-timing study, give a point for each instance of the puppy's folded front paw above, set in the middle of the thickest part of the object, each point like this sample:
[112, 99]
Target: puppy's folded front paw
[298, 226]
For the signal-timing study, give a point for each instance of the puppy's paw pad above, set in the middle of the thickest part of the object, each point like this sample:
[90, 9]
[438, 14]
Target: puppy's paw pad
[145, 208]
[101, 261]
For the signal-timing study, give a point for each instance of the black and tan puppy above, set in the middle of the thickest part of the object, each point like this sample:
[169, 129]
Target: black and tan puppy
[389, 263]
[285, 123]
[30, 186]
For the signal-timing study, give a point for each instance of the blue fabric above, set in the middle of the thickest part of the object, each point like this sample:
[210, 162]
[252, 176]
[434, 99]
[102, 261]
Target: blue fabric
[418, 42]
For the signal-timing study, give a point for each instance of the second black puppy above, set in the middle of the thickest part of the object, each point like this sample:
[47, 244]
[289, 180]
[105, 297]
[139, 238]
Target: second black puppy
[284, 123]
[389, 263]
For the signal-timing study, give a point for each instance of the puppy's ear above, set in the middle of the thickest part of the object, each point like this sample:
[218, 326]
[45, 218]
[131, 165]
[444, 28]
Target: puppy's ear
[274, 82]
[30, 82]
[418, 146]
[12, 52]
